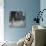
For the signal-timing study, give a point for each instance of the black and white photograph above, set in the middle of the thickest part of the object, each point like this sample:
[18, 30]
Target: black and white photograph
[16, 19]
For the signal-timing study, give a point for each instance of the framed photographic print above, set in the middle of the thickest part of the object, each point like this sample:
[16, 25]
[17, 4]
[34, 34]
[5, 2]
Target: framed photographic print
[17, 19]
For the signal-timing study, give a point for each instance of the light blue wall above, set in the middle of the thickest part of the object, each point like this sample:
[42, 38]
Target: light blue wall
[43, 6]
[31, 6]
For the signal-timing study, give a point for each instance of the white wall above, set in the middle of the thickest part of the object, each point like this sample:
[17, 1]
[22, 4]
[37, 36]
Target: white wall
[1, 21]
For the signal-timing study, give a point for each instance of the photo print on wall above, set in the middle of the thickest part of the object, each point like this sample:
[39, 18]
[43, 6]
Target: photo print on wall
[17, 19]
